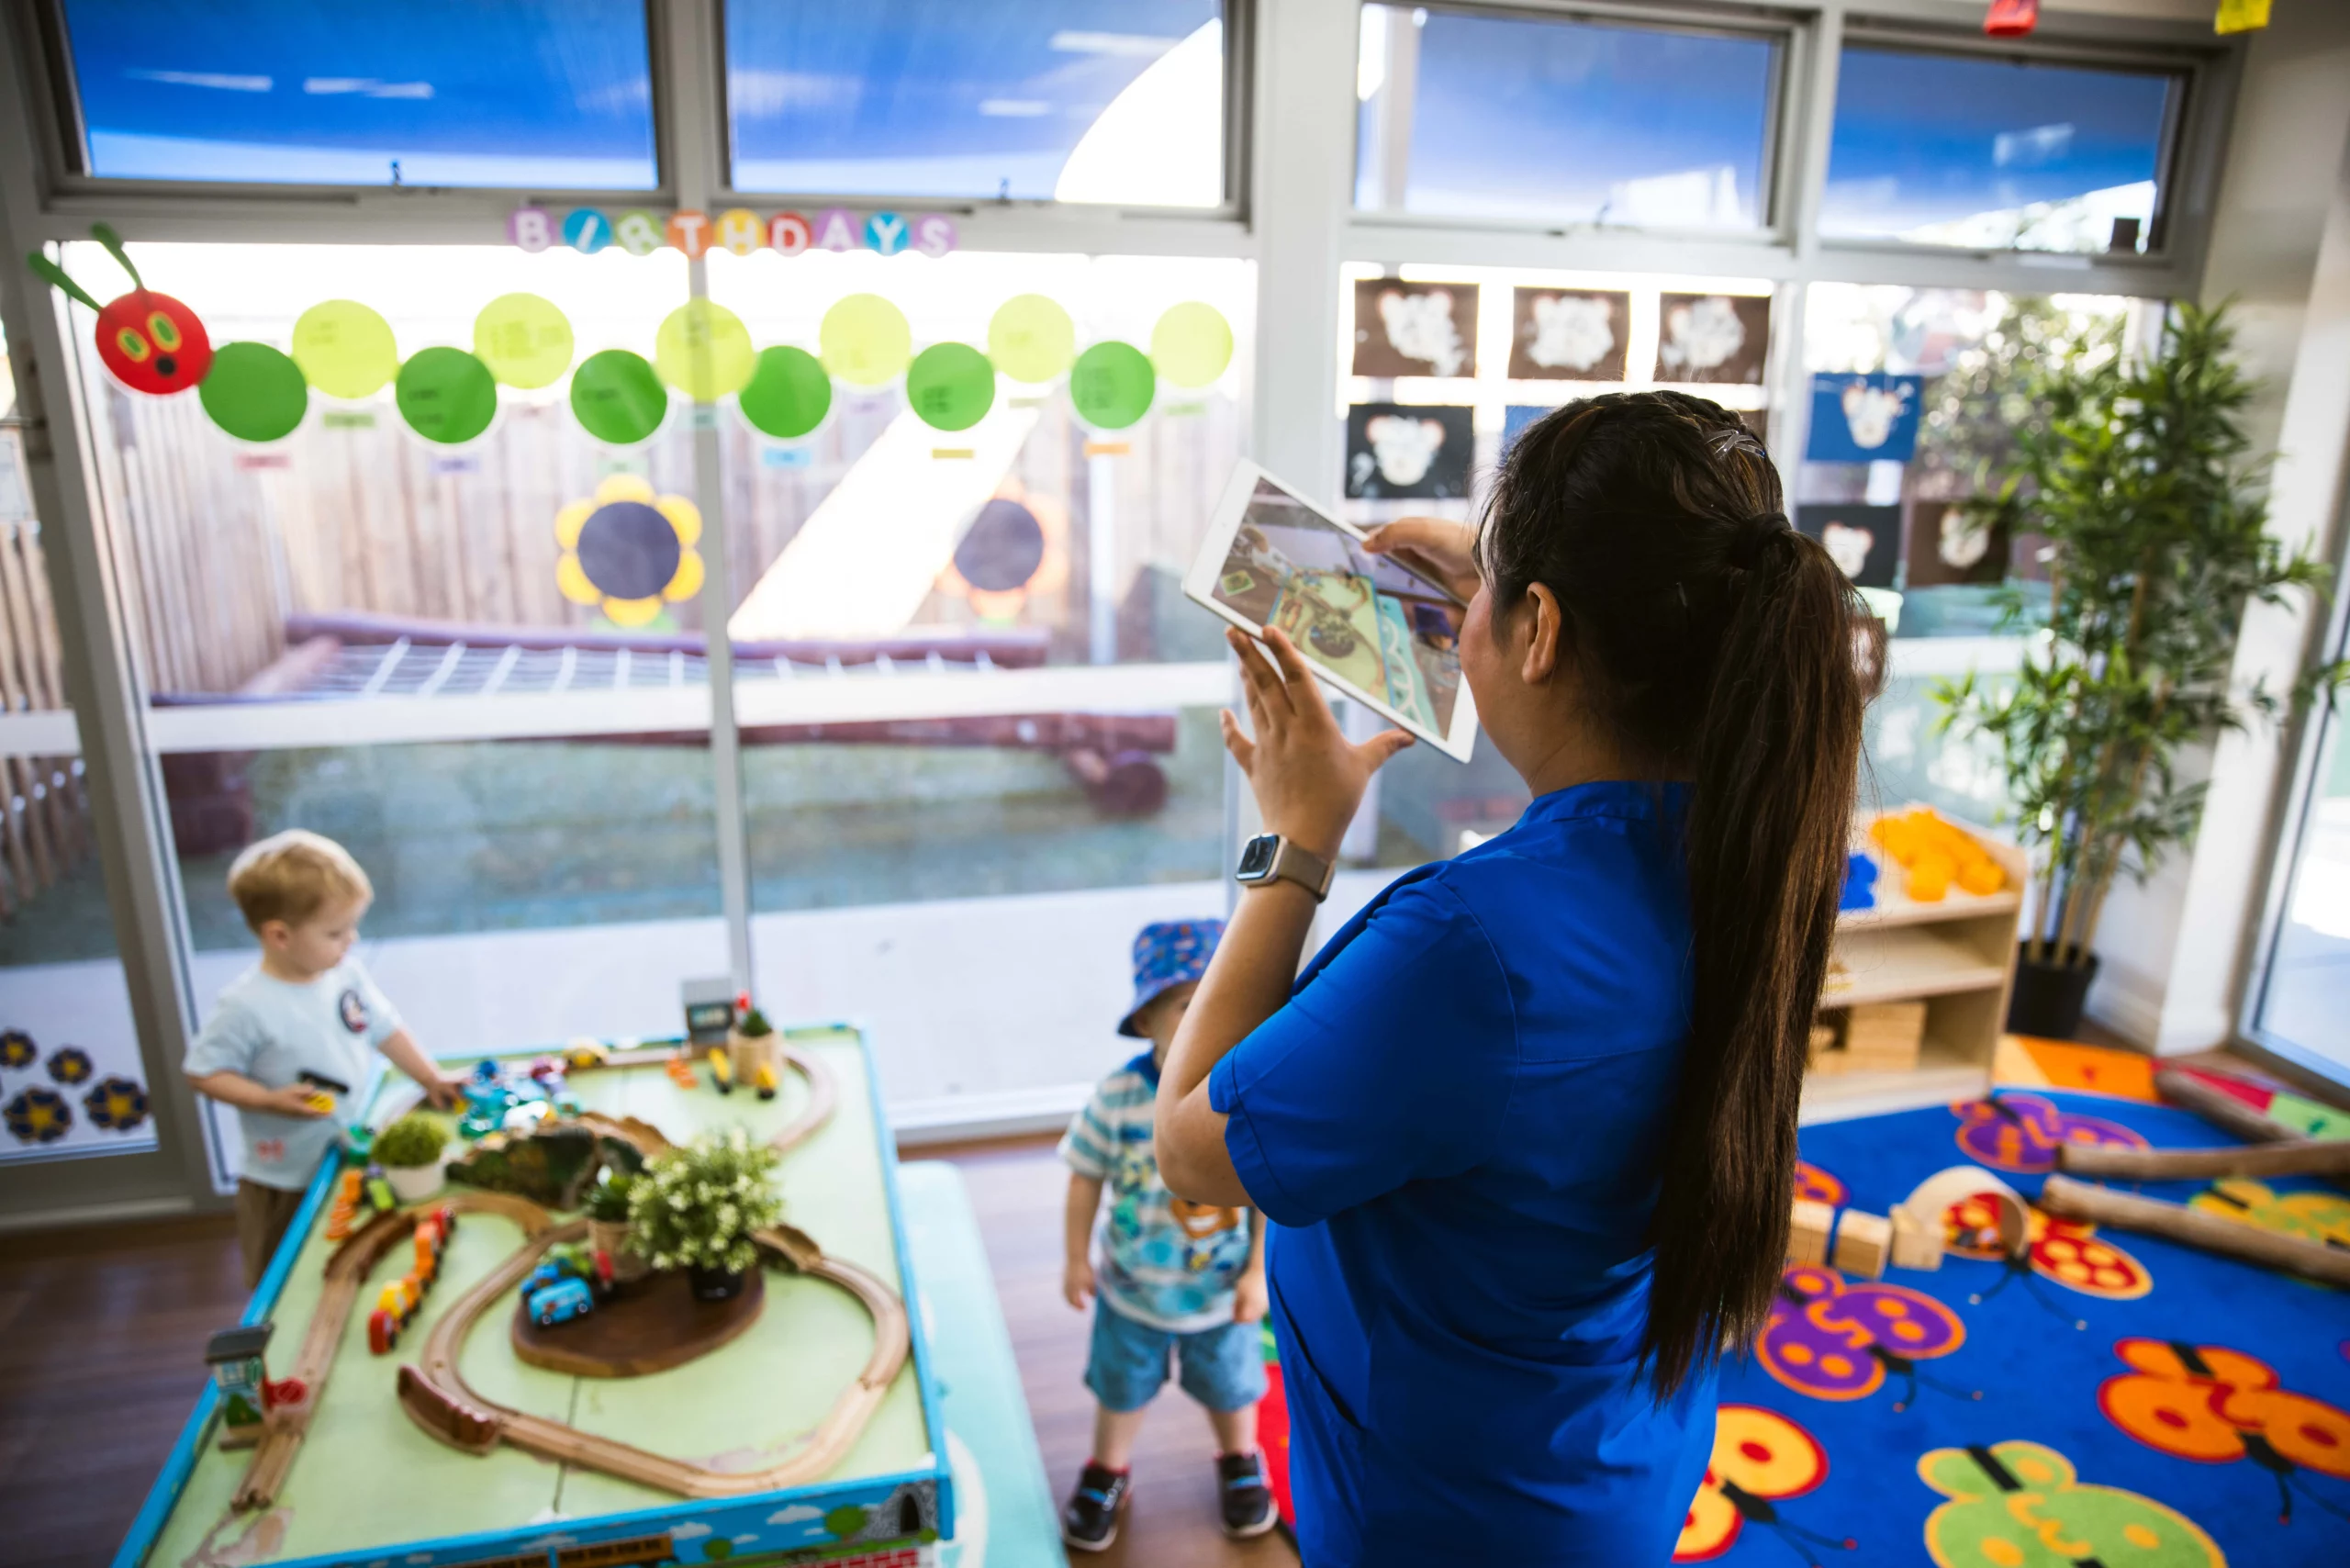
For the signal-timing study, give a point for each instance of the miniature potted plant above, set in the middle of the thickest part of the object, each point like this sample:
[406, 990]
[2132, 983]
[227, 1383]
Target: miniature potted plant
[2137, 475]
[750, 1042]
[607, 1231]
[696, 1208]
[410, 1152]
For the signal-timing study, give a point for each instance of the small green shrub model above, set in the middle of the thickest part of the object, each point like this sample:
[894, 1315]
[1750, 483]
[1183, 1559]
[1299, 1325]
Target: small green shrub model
[413, 1140]
[607, 1199]
[755, 1025]
[695, 1207]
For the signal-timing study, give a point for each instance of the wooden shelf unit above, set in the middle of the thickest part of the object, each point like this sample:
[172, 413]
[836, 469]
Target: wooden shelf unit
[1956, 955]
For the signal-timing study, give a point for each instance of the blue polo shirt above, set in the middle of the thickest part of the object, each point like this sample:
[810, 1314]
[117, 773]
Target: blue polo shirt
[1455, 1125]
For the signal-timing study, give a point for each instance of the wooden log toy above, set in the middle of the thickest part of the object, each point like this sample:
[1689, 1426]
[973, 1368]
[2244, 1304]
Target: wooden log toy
[2223, 1108]
[2193, 1228]
[2327, 1158]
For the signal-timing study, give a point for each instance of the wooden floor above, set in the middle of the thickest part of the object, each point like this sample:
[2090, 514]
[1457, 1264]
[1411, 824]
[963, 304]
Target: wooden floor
[102, 1337]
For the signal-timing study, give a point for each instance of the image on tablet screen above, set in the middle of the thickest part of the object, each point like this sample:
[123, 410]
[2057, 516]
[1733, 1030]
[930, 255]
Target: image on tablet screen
[1383, 629]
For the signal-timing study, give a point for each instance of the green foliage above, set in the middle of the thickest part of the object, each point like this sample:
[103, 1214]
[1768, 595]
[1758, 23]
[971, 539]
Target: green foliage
[1969, 429]
[607, 1199]
[414, 1140]
[755, 1025]
[697, 1207]
[846, 1522]
[2135, 471]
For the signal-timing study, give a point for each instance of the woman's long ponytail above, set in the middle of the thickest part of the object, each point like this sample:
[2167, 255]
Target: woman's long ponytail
[1725, 647]
[1769, 824]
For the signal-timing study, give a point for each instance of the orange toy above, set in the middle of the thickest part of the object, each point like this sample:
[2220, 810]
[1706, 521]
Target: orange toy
[1933, 855]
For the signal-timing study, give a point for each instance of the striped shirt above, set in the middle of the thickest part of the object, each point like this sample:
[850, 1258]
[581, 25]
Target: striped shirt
[1165, 1261]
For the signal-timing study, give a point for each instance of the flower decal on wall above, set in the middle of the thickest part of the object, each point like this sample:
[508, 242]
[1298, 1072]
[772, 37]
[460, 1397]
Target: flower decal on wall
[37, 1116]
[117, 1105]
[70, 1064]
[628, 550]
[17, 1048]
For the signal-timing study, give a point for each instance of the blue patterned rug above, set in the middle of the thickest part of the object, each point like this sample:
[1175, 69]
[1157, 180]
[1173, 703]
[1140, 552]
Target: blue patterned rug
[2122, 1401]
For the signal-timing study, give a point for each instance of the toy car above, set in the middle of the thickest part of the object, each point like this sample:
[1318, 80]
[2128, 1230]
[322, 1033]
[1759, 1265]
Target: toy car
[560, 1303]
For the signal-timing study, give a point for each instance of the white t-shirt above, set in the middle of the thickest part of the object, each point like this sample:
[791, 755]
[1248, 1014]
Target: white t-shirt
[273, 1031]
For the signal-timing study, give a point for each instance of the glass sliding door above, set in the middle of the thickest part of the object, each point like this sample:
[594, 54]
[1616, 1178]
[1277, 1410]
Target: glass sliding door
[2301, 985]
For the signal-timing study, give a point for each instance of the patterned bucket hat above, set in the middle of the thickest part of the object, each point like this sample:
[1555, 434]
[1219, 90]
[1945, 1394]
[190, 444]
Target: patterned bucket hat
[1168, 953]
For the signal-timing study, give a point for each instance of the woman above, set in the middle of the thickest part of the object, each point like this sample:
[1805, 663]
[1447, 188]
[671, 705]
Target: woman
[1527, 1126]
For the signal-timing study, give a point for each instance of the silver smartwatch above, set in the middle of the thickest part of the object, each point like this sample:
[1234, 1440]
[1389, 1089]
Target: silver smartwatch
[1270, 857]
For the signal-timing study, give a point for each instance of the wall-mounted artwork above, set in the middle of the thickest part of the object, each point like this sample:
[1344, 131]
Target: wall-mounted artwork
[1559, 334]
[1712, 338]
[1864, 540]
[1948, 545]
[1415, 329]
[1405, 451]
[1864, 418]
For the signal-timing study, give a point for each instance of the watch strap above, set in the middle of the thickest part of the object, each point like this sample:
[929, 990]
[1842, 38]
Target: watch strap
[1307, 870]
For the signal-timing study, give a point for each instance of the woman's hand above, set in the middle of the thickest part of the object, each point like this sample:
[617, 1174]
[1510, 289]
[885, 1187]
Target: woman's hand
[1441, 551]
[1307, 776]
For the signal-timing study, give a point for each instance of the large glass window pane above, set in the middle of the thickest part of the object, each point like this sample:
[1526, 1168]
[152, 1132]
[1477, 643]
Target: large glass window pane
[1468, 115]
[1069, 100]
[2306, 990]
[1917, 394]
[344, 625]
[419, 92]
[72, 1081]
[1995, 153]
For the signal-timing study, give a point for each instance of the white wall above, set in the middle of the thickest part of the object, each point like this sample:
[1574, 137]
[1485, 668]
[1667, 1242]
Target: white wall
[2175, 950]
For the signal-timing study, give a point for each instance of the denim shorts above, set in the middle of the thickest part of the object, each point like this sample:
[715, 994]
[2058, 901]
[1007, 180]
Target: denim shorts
[1223, 1367]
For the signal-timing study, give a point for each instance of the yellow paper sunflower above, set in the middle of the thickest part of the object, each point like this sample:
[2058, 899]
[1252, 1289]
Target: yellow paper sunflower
[627, 550]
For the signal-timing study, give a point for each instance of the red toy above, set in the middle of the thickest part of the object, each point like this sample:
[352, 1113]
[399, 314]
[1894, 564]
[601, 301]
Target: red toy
[152, 342]
[2011, 18]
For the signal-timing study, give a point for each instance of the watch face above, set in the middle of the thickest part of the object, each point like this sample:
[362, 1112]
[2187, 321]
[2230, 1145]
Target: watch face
[1257, 857]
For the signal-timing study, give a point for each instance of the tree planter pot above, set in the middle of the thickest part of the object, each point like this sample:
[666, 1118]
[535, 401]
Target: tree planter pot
[414, 1183]
[714, 1284]
[2049, 995]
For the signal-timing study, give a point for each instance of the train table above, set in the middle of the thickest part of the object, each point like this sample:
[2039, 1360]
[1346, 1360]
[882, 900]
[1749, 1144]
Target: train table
[812, 1430]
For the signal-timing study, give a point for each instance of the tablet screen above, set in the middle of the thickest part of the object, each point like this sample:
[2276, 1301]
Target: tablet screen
[1364, 618]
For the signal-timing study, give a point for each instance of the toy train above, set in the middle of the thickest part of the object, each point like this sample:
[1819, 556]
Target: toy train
[399, 1299]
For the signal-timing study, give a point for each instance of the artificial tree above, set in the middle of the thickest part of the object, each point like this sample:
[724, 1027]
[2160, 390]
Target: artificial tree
[697, 1208]
[2134, 471]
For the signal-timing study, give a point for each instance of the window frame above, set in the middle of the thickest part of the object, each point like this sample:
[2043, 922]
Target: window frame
[66, 137]
[1780, 28]
[1238, 31]
[2192, 70]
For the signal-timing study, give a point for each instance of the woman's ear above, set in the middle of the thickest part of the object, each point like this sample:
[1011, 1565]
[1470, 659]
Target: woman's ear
[1540, 623]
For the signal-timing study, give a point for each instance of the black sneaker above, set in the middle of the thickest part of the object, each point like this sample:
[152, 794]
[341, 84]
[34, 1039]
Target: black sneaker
[1248, 1501]
[1091, 1520]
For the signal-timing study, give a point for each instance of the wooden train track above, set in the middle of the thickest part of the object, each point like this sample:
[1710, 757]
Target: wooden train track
[347, 1272]
[437, 1398]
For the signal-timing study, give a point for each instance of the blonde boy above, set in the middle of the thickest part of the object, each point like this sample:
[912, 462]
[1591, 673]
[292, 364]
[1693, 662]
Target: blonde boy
[288, 1042]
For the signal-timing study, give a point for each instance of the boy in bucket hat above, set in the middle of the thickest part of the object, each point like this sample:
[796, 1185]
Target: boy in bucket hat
[1177, 1280]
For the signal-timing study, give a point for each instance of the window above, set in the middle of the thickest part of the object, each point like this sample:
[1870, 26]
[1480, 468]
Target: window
[1117, 101]
[1995, 154]
[1916, 397]
[1468, 115]
[2300, 994]
[420, 93]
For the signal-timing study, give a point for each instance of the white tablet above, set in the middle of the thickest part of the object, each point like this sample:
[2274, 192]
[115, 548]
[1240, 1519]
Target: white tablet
[1375, 630]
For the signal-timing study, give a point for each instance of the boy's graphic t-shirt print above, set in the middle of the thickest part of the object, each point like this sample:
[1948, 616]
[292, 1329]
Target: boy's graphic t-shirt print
[354, 1012]
[1165, 1261]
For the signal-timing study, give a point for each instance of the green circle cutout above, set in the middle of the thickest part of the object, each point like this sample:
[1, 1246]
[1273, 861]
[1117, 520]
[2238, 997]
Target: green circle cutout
[1031, 339]
[1192, 344]
[1112, 385]
[446, 395]
[524, 338]
[865, 340]
[788, 394]
[950, 386]
[704, 351]
[617, 397]
[345, 348]
[254, 392]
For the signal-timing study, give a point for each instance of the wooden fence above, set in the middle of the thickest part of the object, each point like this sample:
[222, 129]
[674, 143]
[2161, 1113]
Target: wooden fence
[44, 827]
